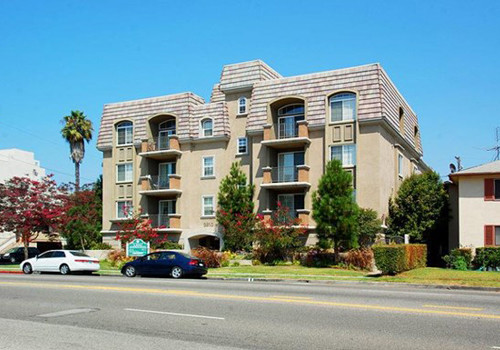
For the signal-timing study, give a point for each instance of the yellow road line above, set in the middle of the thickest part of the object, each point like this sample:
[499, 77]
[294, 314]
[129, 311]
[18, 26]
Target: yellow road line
[454, 307]
[290, 297]
[253, 298]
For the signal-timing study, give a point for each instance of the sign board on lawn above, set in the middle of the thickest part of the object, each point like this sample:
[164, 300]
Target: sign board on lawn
[137, 248]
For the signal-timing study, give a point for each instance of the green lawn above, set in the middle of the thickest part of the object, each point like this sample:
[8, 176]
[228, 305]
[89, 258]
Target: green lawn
[433, 275]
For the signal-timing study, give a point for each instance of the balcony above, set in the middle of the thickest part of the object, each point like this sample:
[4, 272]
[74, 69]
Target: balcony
[301, 214]
[286, 135]
[291, 177]
[170, 223]
[161, 148]
[161, 186]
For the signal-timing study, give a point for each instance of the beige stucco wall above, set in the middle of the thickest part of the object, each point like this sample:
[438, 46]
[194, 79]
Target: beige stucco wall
[474, 211]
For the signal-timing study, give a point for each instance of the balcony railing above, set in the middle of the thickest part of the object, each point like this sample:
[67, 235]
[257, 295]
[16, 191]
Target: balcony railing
[159, 182]
[161, 143]
[160, 220]
[284, 174]
[287, 130]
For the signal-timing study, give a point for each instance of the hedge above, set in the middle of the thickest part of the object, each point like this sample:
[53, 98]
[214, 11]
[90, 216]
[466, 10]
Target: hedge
[396, 258]
[487, 257]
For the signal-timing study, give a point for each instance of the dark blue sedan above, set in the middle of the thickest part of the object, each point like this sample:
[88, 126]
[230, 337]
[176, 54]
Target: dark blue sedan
[166, 263]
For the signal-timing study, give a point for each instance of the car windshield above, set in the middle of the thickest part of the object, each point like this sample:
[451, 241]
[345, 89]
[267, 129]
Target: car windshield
[79, 254]
[13, 250]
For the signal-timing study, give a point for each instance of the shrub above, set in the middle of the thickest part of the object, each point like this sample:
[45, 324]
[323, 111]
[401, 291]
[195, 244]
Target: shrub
[236, 264]
[100, 246]
[487, 257]
[318, 258]
[210, 257]
[393, 259]
[256, 262]
[118, 258]
[359, 258]
[169, 245]
[459, 259]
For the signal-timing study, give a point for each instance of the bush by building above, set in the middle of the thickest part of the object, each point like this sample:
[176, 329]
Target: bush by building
[459, 259]
[359, 258]
[487, 257]
[393, 259]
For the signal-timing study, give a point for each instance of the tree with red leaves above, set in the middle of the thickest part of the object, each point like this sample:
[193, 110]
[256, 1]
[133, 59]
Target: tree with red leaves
[30, 207]
[137, 227]
[278, 238]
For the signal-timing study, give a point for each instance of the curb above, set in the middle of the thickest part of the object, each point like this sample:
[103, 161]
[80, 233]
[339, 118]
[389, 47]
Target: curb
[385, 284]
[12, 272]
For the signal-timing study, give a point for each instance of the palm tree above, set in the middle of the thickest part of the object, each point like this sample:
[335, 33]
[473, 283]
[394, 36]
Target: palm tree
[77, 129]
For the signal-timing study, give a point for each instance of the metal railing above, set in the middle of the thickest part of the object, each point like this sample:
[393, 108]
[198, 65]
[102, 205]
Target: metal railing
[161, 143]
[159, 182]
[159, 220]
[284, 174]
[287, 130]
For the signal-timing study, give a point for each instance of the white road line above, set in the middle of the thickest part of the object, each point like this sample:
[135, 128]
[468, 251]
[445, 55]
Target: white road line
[68, 312]
[495, 347]
[175, 314]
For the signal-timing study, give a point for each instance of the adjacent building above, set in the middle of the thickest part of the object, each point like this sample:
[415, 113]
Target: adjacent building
[166, 156]
[475, 206]
[16, 162]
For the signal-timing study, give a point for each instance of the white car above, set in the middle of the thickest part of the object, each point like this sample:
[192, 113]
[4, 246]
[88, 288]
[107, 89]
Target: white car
[64, 261]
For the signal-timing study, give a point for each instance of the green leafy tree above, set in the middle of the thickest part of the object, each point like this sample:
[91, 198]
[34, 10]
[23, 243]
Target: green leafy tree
[420, 208]
[235, 210]
[77, 129]
[335, 210]
[368, 226]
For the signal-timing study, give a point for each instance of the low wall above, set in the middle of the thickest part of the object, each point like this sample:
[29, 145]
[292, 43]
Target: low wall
[98, 254]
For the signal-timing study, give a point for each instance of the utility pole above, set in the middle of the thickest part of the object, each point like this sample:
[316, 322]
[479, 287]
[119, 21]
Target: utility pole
[459, 163]
[496, 149]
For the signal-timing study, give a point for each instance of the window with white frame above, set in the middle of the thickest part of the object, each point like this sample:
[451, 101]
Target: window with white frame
[242, 105]
[242, 145]
[208, 206]
[124, 172]
[124, 209]
[345, 153]
[343, 107]
[208, 166]
[207, 127]
[400, 165]
[124, 131]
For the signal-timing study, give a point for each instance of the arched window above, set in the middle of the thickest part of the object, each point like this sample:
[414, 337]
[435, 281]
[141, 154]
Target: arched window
[242, 105]
[207, 128]
[288, 116]
[168, 126]
[343, 107]
[125, 132]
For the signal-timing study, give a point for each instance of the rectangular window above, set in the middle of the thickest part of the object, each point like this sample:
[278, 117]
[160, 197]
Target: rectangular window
[208, 206]
[242, 105]
[497, 189]
[345, 153]
[124, 209]
[125, 135]
[242, 145]
[124, 172]
[497, 235]
[208, 166]
[400, 165]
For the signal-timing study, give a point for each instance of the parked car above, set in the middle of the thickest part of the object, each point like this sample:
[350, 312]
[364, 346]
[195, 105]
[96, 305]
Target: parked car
[166, 263]
[16, 254]
[64, 261]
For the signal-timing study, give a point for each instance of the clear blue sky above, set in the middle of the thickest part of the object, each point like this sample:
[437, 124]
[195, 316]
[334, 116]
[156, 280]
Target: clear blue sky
[57, 56]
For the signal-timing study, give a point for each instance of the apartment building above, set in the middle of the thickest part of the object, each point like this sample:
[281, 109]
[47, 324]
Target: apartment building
[166, 156]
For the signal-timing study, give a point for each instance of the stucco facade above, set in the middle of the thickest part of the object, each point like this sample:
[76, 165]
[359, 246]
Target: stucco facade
[476, 205]
[292, 127]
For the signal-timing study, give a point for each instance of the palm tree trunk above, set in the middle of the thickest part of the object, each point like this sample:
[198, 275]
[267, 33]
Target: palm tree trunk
[77, 176]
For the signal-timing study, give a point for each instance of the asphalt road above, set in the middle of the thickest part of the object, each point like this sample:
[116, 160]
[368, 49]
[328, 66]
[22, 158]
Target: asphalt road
[91, 312]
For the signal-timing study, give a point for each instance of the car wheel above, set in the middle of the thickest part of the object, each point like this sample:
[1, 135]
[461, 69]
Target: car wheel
[27, 269]
[130, 271]
[176, 272]
[13, 260]
[64, 269]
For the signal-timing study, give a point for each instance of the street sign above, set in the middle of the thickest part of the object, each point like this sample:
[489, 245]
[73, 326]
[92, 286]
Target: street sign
[137, 248]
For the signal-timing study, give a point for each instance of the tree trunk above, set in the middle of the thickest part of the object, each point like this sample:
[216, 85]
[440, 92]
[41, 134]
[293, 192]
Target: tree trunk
[336, 252]
[77, 176]
[26, 243]
[81, 242]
